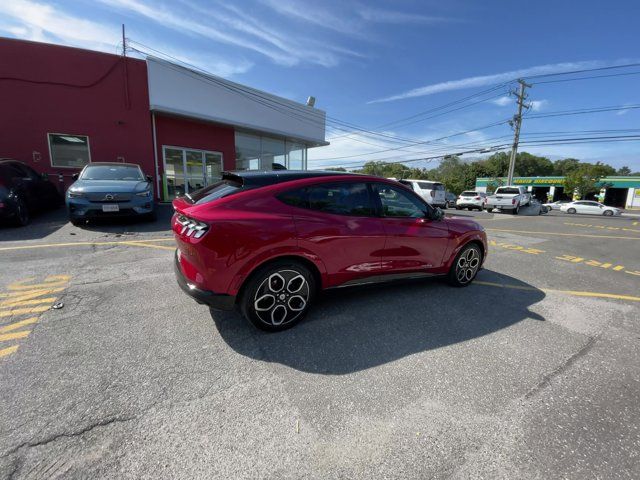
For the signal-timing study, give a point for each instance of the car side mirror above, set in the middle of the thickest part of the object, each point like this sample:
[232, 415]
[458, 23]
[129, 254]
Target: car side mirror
[149, 178]
[436, 214]
[75, 176]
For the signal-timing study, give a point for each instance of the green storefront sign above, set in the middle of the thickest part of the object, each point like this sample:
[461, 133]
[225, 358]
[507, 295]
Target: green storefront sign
[614, 182]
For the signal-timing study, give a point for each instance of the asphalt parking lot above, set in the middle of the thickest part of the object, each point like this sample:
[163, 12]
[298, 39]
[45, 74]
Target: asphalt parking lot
[531, 372]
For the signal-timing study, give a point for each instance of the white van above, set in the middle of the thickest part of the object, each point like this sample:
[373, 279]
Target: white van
[432, 192]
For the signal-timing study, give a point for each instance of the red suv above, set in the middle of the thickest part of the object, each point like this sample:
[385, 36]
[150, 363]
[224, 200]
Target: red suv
[270, 241]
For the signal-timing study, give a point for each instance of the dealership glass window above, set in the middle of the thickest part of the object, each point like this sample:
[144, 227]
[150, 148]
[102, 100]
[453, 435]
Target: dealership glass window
[69, 150]
[247, 151]
[273, 152]
[296, 153]
[188, 170]
[255, 152]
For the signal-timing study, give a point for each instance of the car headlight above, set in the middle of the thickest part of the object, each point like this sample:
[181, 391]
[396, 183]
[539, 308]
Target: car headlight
[75, 193]
[146, 193]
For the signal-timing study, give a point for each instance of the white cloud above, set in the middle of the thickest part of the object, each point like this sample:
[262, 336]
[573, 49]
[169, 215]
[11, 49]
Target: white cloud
[503, 101]
[484, 80]
[392, 16]
[43, 22]
[624, 111]
[537, 105]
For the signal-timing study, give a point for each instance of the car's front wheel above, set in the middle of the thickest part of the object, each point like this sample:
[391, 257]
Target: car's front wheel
[22, 213]
[466, 266]
[571, 210]
[278, 296]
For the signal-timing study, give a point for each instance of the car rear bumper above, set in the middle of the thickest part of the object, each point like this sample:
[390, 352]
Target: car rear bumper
[218, 301]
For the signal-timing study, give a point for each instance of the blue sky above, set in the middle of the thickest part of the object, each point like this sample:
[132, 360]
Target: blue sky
[370, 63]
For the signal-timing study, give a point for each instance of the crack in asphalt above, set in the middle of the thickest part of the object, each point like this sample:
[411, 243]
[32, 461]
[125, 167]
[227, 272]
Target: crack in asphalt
[546, 380]
[53, 438]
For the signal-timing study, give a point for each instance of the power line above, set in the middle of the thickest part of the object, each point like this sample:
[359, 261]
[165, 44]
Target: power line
[586, 78]
[596, 69]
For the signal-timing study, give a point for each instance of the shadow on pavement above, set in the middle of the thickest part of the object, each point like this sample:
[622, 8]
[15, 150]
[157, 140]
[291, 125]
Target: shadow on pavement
[353, 330]
[42, 225]
[47, 223]
[133, 224]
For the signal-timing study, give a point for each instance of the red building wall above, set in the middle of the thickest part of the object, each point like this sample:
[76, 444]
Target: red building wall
[54, 89]
[183, 132]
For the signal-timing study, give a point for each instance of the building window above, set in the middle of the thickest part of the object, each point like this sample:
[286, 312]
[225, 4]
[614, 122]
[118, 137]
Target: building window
[71, 151]
[254, 152]
[296, 153]
[247, 151]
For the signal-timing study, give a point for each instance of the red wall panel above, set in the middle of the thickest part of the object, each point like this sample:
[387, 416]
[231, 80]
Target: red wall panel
[187, 133]
[54, 89]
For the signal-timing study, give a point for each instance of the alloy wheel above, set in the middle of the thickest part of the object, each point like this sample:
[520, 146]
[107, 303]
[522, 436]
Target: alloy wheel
[467, 265]
[281, 297]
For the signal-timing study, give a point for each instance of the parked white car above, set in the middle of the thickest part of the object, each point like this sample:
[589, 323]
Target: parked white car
[472, 200]
[590, 207]
[509, 198]
[556, 205]
[432, 192]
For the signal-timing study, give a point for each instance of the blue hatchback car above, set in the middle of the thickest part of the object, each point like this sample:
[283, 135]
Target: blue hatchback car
[110, 190]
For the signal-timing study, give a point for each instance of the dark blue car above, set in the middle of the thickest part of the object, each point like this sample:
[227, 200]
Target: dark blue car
[110, 190]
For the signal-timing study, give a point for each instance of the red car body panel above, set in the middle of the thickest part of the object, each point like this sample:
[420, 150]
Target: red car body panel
[250, 228]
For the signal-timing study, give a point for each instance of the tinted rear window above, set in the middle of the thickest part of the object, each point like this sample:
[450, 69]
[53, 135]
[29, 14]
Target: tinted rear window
[469, 194]
[507, 191]
[214, 191]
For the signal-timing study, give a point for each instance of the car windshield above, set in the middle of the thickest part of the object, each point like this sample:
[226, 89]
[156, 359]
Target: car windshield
[468, 194]
[112, 172]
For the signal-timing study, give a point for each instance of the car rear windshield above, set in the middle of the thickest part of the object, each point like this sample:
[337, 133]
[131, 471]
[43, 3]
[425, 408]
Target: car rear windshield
[507, 191]
[112, 172]
[468, 194]
[215, 191]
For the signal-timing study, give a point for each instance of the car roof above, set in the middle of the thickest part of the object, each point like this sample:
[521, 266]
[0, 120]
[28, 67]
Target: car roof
[419, 180]
[113, 164]
[260, 178]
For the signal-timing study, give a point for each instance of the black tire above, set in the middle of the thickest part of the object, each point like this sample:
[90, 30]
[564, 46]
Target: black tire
[22, 217]
[277, 280]
[469, 208]
[516, 210]
[466, 266]
[571, 211]
[77, 222]
[458, 208]
[488, 209]
[607, 213]
[152, 216]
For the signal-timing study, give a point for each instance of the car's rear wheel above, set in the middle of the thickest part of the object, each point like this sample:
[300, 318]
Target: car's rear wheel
[607, 213]
[466, 266]
[571, 210]
[278, 296]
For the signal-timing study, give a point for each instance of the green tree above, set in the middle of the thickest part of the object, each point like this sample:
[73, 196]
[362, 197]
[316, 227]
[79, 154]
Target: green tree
[565, 166]
[528, 165]
[624, 171]
[587, 178]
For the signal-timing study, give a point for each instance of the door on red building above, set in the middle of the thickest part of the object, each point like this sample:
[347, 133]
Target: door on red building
[188, 169]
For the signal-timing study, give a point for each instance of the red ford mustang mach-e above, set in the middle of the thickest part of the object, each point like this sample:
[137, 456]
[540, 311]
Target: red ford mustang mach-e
[268, 242]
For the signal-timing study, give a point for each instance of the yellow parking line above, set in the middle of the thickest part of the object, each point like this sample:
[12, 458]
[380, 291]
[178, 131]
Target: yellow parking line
[8, 351]
[140, 244]
[74, 244]
[20, 311]
[28, 294]
[17, 325]
[566, 292]
[23, 303]
[562, 234]
[14, 335]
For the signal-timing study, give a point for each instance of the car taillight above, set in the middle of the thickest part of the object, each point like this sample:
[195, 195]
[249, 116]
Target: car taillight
[477, 198]
[191, 228]
[513, 201]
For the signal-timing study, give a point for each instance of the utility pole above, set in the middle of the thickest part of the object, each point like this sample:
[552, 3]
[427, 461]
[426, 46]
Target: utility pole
[517, 123]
